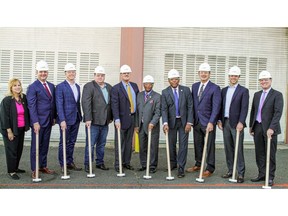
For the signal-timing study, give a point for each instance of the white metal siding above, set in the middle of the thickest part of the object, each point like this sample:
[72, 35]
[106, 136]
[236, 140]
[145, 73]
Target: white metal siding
[252, 49]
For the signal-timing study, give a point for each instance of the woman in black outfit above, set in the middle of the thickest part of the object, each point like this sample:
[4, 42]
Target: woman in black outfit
[14, 121]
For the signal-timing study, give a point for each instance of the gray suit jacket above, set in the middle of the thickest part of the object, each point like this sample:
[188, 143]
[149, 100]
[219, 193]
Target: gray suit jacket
[271, 110]
[94, 106]
[149, 111]
[169, 109]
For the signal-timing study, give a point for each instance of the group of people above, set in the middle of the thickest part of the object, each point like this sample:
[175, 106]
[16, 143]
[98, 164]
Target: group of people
[202, 108]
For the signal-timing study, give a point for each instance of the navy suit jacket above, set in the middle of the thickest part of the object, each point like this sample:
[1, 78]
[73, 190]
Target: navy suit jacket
[207, 109]
[238, 107]
[271, 111]
[67, 108]
[168, 107]
[120, 104]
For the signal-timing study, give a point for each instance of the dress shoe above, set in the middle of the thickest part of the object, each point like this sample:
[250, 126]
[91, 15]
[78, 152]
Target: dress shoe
[141, 169]
[102, 167]
[20, 171]
[62, 171]
[206, 173]
[13, 176]
[240, 179]
[46, 170]
[270, 183]
[72, 166]
[193, 169]
[33, 175]
[87, 169]
[152, 170]
[129, 167]
[227, 175]
[180, 174]
[258, 178]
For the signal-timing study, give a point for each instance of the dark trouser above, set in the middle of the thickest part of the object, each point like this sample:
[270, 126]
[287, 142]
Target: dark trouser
[44, 139]
[229, 135]
[98, 137]
[126, 144]
[71, 137]
[13, 150]
[183, 145]
[143, 141]
[260, 140]
[199, 138]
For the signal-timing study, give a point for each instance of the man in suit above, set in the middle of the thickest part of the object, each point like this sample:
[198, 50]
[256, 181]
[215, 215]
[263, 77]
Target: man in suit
[96, 104]
[207, 102]
[147, 119]
[68, 115]
[177, 116]
[234, 109]
[42, 109]
[123, 101]
[266, 112]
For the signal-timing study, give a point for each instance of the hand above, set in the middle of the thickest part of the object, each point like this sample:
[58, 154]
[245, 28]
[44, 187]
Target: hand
[36, 127]
[251, 132]
[118, 125]
[10, 135]
[165, 128]
[88, 124]
[63, 125]
[187, 128]
[209, 127]
[270, 132]
[136, 129]
[150, 127]
[239, 126]
[220, 126]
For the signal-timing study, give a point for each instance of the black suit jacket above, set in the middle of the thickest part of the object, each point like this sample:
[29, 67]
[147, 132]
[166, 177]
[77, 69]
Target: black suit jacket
[271, 111]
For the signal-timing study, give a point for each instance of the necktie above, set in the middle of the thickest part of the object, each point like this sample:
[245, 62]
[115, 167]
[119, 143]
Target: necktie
[259, 116]
[146, 97]
[176, 102]
[200, 92]
[130, 99]
[47, 90]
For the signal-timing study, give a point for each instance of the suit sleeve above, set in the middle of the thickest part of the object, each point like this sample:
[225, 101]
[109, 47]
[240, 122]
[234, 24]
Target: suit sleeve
[5, 114]
[244, 106]
[115, 103]
[252, 113]
[189, 107]
[59, 95]
[32, 104]
[87, 96]
[164, 108]
[157, 111]
[216, 103]
[277, 112]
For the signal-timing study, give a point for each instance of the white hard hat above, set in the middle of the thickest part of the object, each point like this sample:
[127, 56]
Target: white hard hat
[69, 67]
[125, 69]
[42, 66]
[264, 75]
[173, 73]
[148, 79]
[99, 70]
[204, 67]
[234, 71]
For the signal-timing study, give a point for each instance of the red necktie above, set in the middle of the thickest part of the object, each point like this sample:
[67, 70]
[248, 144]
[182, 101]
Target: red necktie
[47, 90]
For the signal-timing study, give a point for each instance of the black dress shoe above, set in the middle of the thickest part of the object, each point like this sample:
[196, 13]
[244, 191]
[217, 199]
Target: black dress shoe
[240, 179]
[13, 176]
[180, 174]
[20, 171]
[270, 183]
[152, 170]
[102, 167]
[129, 167]
[258, 178]
[87, 169]
[227, 175]
[72, 166]
[141, 169]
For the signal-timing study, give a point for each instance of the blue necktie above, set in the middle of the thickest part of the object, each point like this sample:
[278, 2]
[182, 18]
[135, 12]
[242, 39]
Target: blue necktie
[176, 102]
